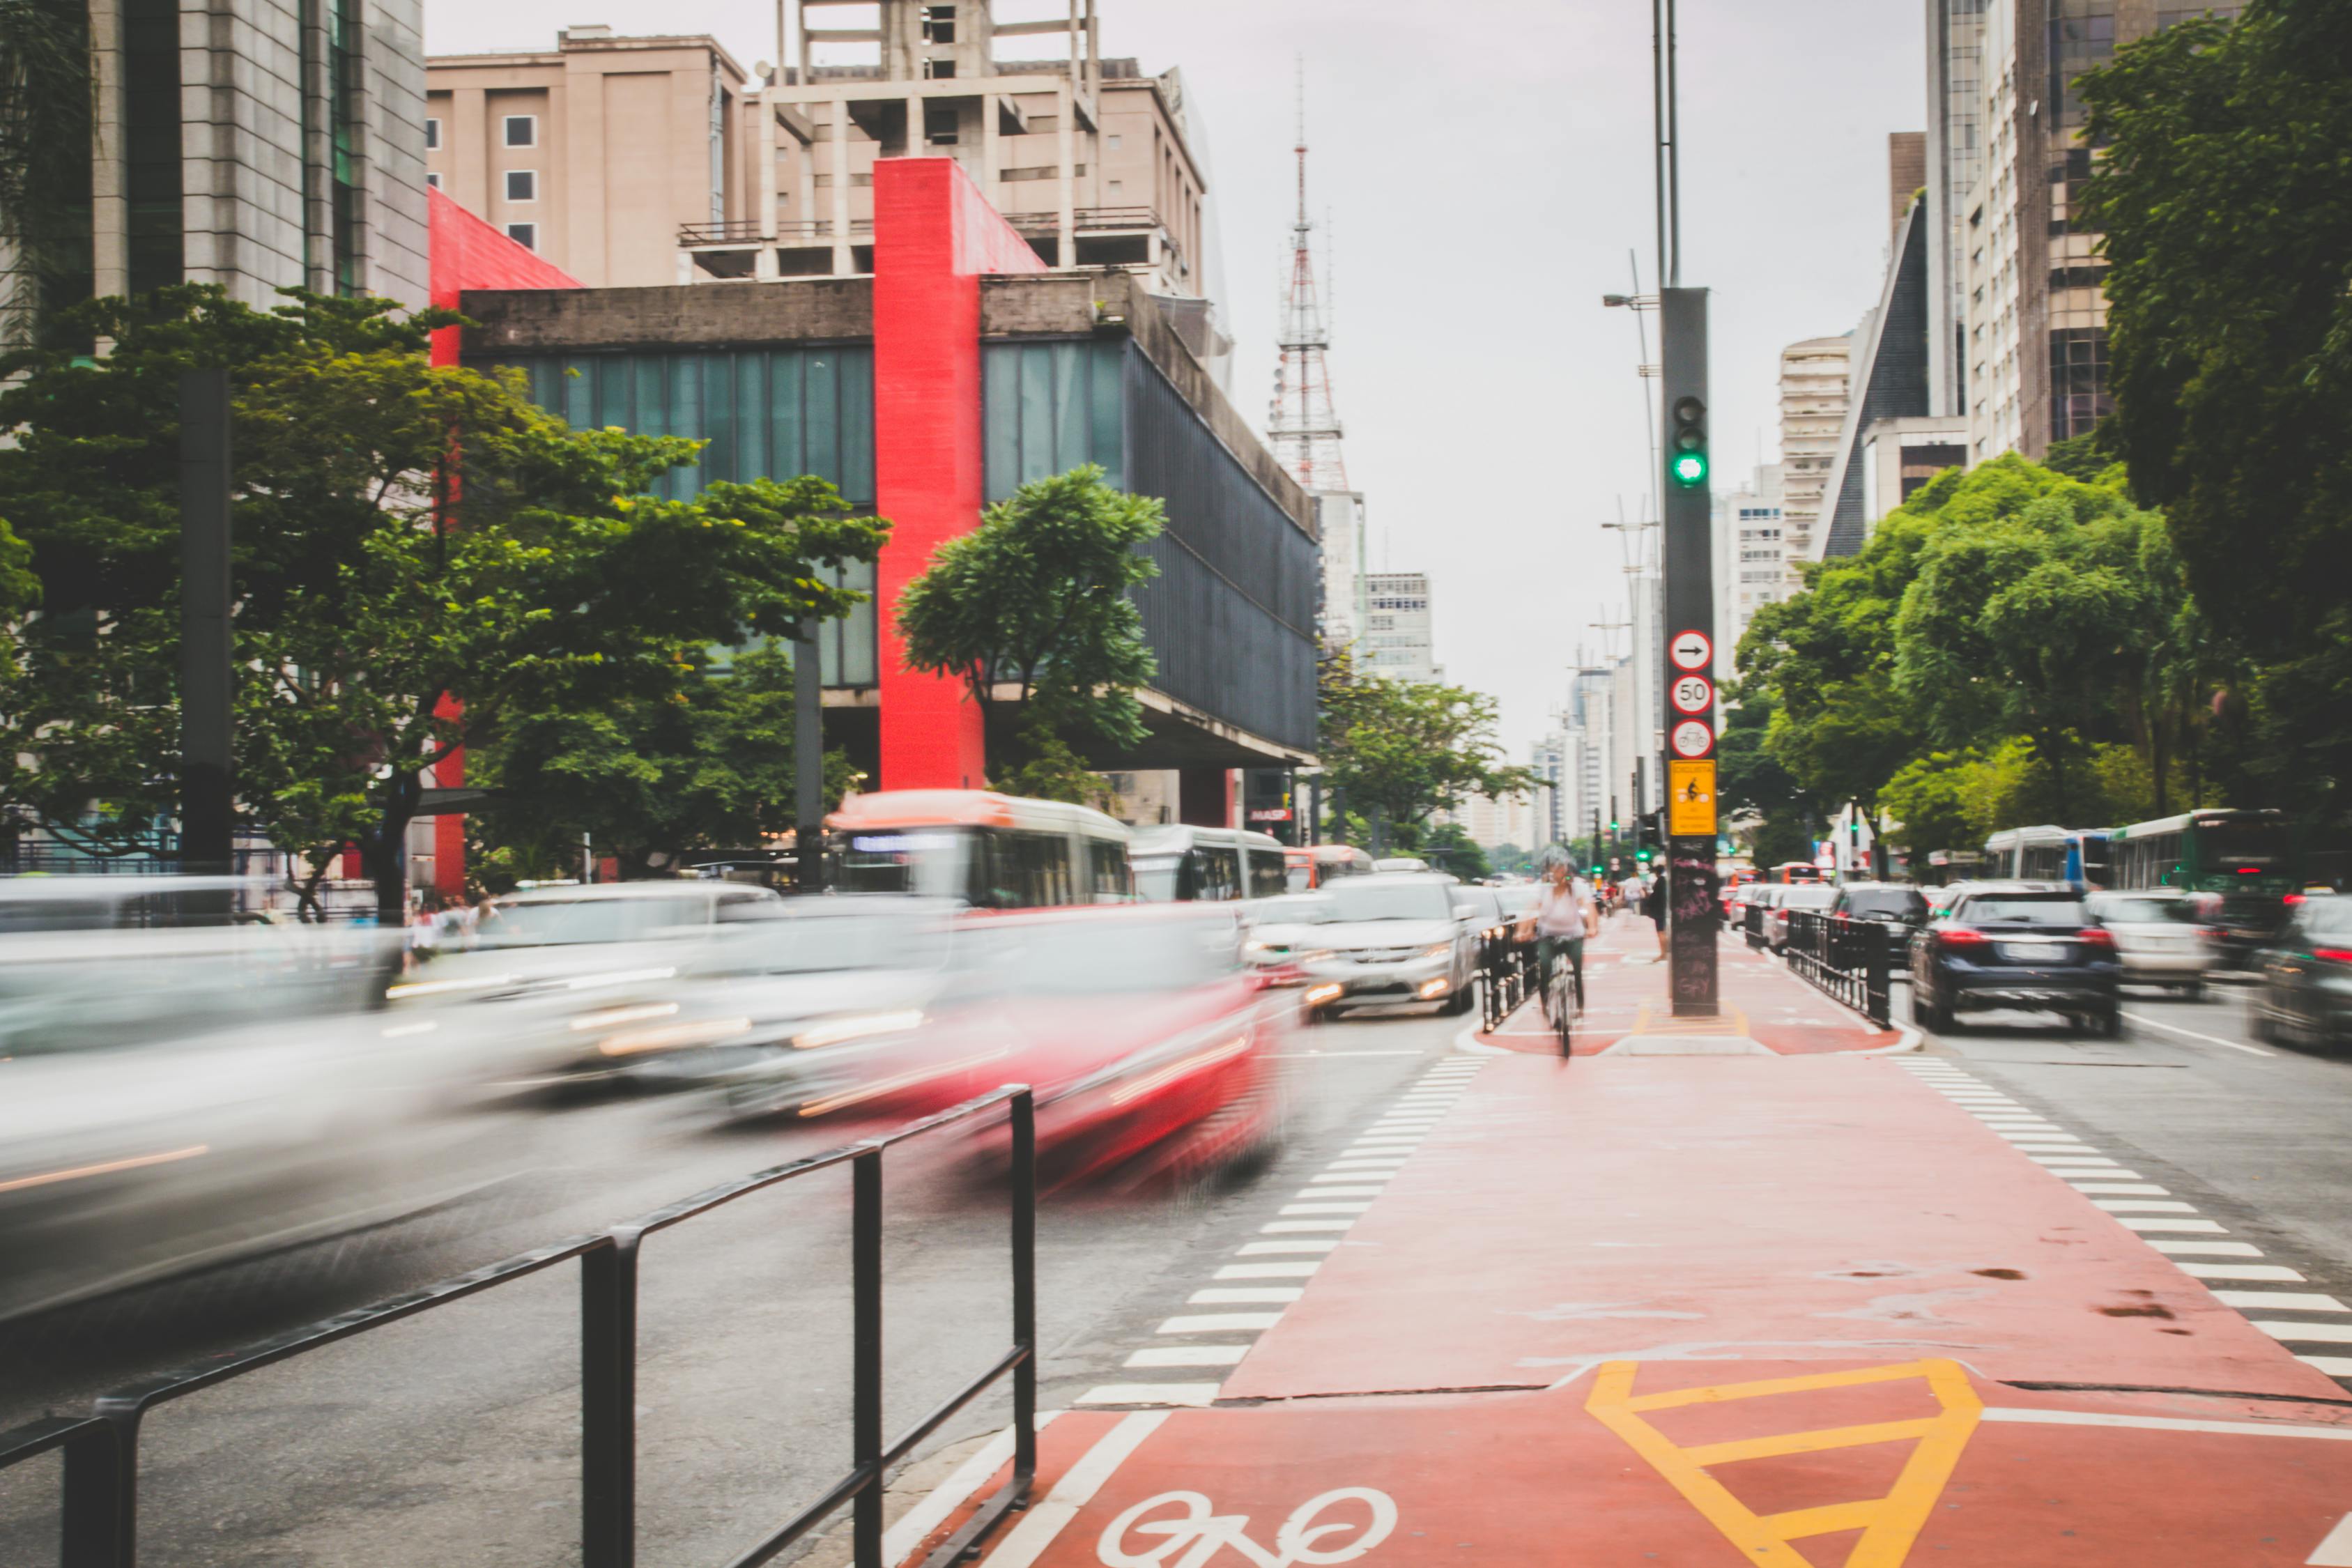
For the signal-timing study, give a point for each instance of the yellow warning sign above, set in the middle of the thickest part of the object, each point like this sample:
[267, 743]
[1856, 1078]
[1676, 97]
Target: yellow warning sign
[1690, 799]
[1889, 1523]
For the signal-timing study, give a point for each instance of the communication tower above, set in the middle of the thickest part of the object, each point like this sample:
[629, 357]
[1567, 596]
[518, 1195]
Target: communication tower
[1302, 425]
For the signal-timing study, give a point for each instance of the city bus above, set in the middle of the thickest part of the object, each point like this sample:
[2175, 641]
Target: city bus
[1797, 871]
[993, 851]
[2050, 855]
[2228, 852]
[1181, 863]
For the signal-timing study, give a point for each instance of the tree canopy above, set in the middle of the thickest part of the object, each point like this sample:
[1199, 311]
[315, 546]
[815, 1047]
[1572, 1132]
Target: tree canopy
[1406, 749]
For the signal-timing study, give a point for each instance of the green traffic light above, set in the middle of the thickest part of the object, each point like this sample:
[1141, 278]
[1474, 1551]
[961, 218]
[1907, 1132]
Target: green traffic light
[1689, 468]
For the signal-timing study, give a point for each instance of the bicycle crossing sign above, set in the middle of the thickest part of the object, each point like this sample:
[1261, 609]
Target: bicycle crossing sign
[1690, 799]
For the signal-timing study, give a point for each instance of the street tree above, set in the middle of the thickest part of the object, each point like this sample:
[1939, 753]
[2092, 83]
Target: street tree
[422, 557]
[1401, 749]
[1035, 609]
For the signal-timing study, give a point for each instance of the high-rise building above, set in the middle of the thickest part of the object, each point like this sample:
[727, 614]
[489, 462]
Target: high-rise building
[258, 146]
[1751, 556]
[2044, 346]
[1339, 524]
[1907, 173]
[1954, 152]
[1814, 389]
[1398, 643]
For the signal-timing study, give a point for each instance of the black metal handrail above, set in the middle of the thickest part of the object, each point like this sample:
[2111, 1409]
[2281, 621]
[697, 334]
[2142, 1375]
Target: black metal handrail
[1849, 959]
[99, 1514]
[1506, 974]
[1751, 924]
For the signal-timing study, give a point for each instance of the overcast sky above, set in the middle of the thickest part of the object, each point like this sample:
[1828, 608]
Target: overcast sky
[1485, 166]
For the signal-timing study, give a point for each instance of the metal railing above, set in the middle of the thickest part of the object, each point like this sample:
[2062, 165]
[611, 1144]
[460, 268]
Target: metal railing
[1506, 974]
[747, 231]
[1085, 220]
[99, 1511]
[1848, 958]
[1751, 925]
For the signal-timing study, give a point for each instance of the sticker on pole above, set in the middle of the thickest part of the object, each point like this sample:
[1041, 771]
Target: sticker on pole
[1691, 739]
[1692, 694]
[1690, 799]
[1691, 650]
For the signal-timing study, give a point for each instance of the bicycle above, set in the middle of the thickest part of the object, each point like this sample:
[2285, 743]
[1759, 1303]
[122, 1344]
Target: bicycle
[1562, 1000]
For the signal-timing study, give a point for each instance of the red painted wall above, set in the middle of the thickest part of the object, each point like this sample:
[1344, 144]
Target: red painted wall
[934, 235]
[469, 253]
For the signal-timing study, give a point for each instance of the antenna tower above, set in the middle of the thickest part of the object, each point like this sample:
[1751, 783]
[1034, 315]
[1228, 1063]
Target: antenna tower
[1302, 425]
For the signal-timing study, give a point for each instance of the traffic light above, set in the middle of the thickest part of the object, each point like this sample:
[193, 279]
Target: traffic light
[1686, 453]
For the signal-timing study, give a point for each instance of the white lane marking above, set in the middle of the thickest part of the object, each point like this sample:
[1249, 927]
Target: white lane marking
[2280, 1302]
[1380, 1146]
[1343, 1176]
[1300, 1269]
[2075, 1161]
[2165, 1424]
[1281, 1226]
[2251, 1273]
[2335, 1552]
[2306, 1333]
[2202, 1248]
[2332, 1365]
[1305, 1244]
[1077, 1488]
[1341, 1193]
[901, 1540]
[2186, 1227]
[1189, 1355]
[2209, 1039]
[2060, 1138]
[1193, 1393]
[1246, 1296]
[1360, 1163]
[1218, 1322]
[2146, 1189]
[1302, 1056]
[1293, 1209]
[2139, 1206]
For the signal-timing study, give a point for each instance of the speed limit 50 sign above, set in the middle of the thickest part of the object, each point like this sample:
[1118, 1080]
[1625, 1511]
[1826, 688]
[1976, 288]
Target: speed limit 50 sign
[1692, 694]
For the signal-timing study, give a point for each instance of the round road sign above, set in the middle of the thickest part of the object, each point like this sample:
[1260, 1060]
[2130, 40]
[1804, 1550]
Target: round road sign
[1691, 739]
[1691, 650]
[1692, 694]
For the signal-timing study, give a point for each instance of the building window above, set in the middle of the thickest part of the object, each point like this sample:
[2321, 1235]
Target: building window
[1117, 142]
[344, 55]
[433, 181]
[522, 184]
[524, 234]
[1117, 188]
[522, 130]
[432, 135]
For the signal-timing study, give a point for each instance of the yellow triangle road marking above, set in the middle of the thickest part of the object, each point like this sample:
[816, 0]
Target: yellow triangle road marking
[1889, 1524]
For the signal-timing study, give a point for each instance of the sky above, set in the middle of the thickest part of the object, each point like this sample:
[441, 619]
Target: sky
[1478, 171]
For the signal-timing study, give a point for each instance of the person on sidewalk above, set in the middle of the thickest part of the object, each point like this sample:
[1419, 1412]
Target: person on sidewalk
[1653, 905]
[1564, 916]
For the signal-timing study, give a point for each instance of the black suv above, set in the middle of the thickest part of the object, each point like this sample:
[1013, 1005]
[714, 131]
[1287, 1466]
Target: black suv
[2016, 944]
[1898, 906]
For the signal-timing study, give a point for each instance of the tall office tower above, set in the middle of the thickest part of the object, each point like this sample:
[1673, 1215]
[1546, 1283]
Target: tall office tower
[1398, 643]
[1813, 391]
[1751, 556]
[1955, 153]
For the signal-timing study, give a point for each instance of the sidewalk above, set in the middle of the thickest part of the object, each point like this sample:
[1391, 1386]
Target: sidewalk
[1793, 1309]
[1627, 1010]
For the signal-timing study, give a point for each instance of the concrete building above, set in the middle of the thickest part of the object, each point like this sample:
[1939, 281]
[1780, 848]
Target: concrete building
[1751, 557]
[2044, 348]
[1346, 608]
[595, 154]
[1900, 455]
[960, 370]
[1399, 643]
[258, 144]
[1906, 173]
[1813, 384]
[1955, 151]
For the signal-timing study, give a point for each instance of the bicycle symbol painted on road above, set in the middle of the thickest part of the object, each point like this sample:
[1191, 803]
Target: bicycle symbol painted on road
[1200, 1533]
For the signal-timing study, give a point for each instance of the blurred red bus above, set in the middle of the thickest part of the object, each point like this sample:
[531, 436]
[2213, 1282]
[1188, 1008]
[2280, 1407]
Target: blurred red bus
[1311, 868]
[993, 851]
[1798, 871]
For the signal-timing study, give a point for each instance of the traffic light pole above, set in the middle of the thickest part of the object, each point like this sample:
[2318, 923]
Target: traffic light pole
[1689, 664]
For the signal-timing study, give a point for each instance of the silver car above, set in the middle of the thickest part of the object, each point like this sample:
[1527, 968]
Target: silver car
[2158, 938]
[1398, 937]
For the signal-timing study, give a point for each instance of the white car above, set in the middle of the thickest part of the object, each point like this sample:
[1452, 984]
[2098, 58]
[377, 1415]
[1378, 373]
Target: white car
[1397, 938]
[2158, 938]
[1287, 933]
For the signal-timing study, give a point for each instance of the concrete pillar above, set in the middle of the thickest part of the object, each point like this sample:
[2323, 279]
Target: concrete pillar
[988, 150]
[915, 146]
[1204, 797]
[1066, 132]
[841, 264]
[763, 171]
[110, 200]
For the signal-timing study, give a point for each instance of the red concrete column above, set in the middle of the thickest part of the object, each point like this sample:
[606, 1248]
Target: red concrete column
[934, 234]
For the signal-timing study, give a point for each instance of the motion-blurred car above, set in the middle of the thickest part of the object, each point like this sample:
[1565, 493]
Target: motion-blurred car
[2240, 926]
[1285, 934]
[2304, 989]
[1399, 864]
[1397, 938]
[2159, 939]
[176, 1097]
[2016, 944]
[1899, 907]
[572, 939]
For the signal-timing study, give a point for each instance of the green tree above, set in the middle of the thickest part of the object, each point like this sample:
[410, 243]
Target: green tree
[1038, 598]
[46, 96]
[2219, 191]
[1448, 847]
[1400, 749]
[422, 556]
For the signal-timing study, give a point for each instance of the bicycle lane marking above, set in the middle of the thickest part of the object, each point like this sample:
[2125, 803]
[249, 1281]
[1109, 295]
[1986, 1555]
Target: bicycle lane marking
[1042, 1525]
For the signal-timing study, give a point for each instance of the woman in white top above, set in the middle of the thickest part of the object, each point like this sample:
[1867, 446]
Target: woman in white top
[1563, 917]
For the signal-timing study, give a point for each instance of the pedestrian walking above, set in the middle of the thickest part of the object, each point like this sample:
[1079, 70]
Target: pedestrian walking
[1653, 904]
[1566, 913]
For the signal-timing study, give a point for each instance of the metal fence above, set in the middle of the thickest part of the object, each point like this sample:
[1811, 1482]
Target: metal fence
[1506, 974]
[100, 1502]
[1751, 924]
[1850, 959]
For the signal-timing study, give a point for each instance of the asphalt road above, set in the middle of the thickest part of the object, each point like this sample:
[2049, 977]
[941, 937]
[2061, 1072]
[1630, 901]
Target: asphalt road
[452, 1436]
[2258, 1136]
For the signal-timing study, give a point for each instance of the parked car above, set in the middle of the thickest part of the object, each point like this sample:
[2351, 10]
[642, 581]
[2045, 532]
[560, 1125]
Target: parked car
[2158, 938]
[1818, 896]
[2016, 944]
[2304, 978]
[1398, 938]
[1899, 906]
[1756, 898]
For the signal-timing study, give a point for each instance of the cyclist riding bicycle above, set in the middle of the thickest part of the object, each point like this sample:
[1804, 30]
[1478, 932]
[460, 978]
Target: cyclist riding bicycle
[1564, 916]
